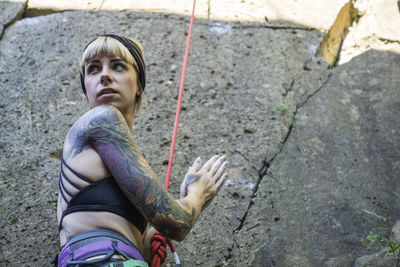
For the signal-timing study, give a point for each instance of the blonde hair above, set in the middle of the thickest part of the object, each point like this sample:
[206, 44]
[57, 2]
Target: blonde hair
[105, 45]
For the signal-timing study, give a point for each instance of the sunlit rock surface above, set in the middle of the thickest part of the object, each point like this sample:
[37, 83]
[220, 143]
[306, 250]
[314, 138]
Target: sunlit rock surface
[308, 147]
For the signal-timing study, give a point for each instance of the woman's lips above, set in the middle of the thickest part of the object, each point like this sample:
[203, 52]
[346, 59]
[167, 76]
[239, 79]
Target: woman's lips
[106, 92]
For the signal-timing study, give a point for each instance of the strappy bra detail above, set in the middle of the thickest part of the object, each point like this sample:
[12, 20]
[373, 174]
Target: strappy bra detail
[103, 195]
[74, 172]
[69, 180]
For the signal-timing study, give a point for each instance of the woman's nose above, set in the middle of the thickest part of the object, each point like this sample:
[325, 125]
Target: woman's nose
[105, 77]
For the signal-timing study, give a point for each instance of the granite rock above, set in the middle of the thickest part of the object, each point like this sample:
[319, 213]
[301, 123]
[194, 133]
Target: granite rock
[338, 160]
[10, 12]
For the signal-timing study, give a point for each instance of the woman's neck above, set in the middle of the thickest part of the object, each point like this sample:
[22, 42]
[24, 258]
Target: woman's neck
[129, 118]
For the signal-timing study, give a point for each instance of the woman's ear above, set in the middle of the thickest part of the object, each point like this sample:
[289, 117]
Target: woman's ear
[139, 91]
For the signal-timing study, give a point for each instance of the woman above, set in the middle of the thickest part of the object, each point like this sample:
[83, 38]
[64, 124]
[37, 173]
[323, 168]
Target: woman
[108, 192]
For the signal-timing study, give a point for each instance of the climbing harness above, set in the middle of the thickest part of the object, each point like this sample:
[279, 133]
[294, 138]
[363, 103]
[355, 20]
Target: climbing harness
[98, 242]
[158, 242]
[129, 263]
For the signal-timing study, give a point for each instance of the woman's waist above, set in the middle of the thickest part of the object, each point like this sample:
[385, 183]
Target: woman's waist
[78, 222]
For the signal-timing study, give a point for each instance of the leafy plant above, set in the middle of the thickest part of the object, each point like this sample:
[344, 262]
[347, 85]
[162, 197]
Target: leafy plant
[282, 106]
[381, 236]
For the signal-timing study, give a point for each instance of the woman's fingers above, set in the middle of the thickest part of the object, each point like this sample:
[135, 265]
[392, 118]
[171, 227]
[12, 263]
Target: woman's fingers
[221, 181]
[210, 162]
[216, 166]
[220, 171]
[196, 165]
[217, 186]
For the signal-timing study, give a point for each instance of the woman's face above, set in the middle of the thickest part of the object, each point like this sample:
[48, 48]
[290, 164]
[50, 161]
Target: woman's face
[112, 81]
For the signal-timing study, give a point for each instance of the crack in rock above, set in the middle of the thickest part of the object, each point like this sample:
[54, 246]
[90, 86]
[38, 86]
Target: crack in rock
[389, 41]
[331, 45]
[267, 164]
[311, 95]
[264, 170]
[17, 17]
[274, 27]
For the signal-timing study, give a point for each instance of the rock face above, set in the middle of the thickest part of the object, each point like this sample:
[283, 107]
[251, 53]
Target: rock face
[338, 160]
[10, 11]
[309, 148]
[305, 12]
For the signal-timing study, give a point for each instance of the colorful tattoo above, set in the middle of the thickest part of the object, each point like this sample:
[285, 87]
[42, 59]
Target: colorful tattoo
[104, 128]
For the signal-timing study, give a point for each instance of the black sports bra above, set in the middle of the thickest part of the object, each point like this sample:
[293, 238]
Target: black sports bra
[103, 195]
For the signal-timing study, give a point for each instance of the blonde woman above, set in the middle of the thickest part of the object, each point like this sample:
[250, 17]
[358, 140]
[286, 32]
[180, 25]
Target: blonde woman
[108, 193]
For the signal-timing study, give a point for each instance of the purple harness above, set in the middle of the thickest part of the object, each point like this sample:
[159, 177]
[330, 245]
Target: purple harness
[94, 243]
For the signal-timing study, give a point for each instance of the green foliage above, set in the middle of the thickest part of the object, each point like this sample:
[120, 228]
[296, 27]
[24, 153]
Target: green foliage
[282, 106]
[374, 214]
[381, 236]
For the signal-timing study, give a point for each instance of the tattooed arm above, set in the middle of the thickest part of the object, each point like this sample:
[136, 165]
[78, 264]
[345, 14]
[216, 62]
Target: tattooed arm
[105, 129]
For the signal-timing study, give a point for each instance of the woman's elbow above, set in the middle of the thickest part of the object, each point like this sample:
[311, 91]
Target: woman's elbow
[176, 231]
[179, 236]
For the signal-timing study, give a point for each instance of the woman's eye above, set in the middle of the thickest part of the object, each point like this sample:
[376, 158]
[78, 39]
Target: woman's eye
[119, 67]
[92, 69]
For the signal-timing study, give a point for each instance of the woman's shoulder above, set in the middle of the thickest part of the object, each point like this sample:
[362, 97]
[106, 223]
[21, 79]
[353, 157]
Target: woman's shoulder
[96, 123]
[77, 150]
[97, 114]
[93, 119]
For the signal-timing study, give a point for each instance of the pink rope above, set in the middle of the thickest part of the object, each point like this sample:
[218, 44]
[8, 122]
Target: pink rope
[178, 108]
[158, 242]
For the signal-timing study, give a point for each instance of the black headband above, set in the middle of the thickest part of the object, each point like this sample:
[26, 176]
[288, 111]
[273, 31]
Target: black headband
[135, 52]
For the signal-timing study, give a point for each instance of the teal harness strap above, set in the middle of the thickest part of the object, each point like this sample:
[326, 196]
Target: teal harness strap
[130, 263]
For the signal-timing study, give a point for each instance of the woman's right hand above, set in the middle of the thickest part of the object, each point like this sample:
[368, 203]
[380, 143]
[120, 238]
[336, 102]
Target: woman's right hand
[205, 180]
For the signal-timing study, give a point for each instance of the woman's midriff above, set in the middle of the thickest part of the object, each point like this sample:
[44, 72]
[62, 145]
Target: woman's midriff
[79, 222]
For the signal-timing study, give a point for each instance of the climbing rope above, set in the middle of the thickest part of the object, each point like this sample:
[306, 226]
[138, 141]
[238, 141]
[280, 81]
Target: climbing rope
[178, 107]
[159, 250]
[158, 242]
